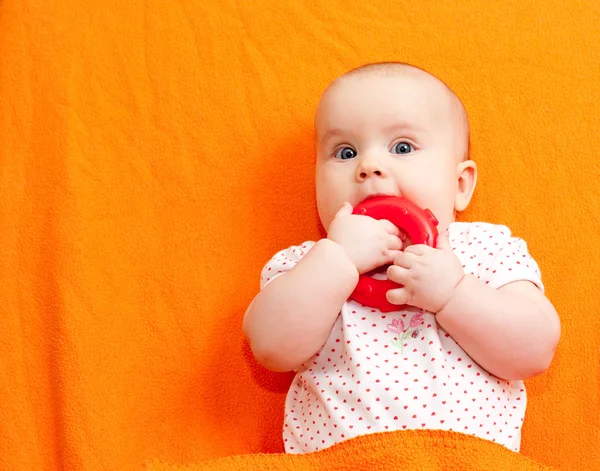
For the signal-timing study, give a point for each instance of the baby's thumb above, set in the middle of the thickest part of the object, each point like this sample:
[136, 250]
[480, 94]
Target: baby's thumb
[442, 242]
[345, 210]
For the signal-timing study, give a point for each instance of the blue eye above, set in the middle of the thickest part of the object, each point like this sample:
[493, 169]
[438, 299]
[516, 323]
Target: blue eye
[402, 148]
[346, 153]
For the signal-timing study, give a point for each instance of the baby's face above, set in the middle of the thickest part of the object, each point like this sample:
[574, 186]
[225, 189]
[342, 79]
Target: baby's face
[392, 135]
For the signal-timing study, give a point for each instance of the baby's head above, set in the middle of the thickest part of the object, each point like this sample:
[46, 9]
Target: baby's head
[392, 129]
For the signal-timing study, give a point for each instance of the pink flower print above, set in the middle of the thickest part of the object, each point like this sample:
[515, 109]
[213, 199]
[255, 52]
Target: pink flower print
[396, 327]
[417, 320]
[403, 333]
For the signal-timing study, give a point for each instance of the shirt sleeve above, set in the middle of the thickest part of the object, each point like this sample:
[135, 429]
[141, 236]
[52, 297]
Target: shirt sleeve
[283, 261]
[504, 259]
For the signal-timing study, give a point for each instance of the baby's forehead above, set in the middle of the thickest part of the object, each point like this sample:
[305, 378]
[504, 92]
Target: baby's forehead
[412, 95]
[426, 97]
[406, 83]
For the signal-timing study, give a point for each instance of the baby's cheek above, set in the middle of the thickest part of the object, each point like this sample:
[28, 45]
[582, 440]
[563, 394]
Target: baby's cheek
[327, 210]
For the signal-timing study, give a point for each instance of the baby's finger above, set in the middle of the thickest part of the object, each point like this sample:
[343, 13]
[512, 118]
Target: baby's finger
[389, 227]
[391, 256]
[397, 274]
[345, 210]
[418, 249]
[405, 259]
[394, 243]
[398, 296]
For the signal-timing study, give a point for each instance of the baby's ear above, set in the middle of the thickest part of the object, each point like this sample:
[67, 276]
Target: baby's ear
[466, 173]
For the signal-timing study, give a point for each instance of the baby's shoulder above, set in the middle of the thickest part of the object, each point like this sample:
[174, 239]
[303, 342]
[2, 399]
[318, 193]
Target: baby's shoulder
[284, 260]
[473, 241]
[295, 252]
[493, 254]
[477, 235]
[292, 254]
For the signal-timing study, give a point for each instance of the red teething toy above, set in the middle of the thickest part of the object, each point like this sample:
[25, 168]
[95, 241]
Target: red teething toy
[418, 224]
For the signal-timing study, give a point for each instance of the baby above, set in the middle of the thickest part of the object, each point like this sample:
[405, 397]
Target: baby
[472, 320]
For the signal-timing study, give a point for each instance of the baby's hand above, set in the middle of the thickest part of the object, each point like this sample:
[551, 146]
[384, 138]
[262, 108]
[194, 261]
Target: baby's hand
[368, 242]
[429, 275]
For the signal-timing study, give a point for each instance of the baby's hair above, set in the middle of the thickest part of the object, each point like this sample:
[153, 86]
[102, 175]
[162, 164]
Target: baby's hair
[403, 68]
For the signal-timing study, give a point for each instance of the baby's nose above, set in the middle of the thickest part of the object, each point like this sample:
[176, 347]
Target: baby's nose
[374, 172]
[370, 168]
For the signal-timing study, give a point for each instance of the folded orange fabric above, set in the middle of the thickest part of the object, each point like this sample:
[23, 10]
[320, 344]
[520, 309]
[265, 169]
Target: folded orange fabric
[426, 450]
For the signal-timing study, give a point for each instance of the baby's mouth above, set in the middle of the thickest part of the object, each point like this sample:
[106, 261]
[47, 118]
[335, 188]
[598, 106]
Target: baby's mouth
[375, 195]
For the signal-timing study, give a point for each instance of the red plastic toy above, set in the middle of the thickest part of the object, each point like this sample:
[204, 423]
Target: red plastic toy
[420, 225]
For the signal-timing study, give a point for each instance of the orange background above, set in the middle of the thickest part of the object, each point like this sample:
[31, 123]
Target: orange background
[155, 154]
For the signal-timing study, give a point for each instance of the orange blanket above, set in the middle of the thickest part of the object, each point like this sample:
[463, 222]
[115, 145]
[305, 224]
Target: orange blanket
[425, 450]
[154, 155]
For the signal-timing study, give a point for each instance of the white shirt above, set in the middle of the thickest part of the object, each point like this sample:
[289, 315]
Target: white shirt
[400, 370]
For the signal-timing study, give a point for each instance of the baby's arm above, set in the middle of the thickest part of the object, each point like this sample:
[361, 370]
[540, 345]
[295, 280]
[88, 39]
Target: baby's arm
[290, 319]
[499, 317]
[512, 331]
